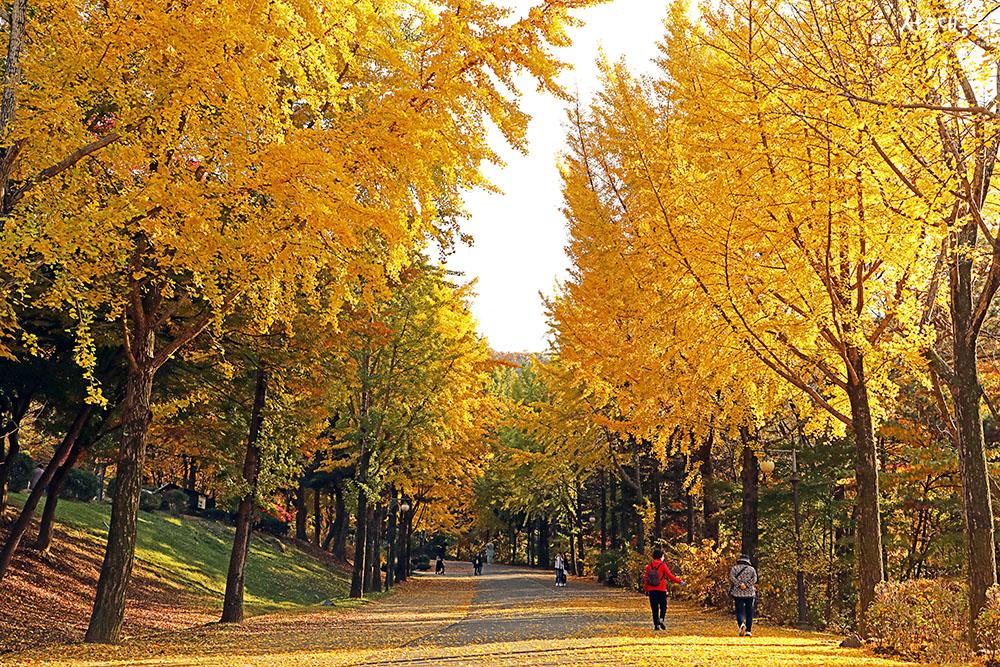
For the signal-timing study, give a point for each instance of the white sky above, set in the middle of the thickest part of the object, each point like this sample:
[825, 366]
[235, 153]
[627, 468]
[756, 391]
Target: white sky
[520, 234]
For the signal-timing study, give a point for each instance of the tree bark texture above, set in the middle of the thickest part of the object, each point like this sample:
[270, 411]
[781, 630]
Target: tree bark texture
[232, 605]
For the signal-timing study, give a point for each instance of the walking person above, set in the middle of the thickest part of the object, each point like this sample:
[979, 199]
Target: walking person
[560, 570]
[655, 585]
[439, 565]
[477, 564]
[743, 580]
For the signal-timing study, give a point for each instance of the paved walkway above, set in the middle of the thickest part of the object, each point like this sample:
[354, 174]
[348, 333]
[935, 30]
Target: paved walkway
[509, 616]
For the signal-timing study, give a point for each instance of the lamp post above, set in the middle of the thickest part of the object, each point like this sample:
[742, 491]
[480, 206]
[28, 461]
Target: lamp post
[403, 546]
[767, 467]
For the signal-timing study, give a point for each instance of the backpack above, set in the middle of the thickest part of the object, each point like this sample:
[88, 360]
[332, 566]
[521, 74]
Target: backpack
[653, 578]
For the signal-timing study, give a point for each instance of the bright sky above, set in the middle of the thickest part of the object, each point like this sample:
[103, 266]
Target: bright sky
[520, 234]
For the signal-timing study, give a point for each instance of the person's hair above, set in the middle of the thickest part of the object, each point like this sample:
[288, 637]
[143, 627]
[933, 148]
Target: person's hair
[657, 553]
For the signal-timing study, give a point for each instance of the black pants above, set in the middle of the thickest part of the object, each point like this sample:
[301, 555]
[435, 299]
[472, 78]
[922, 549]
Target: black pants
[744, 612]
[658, 605]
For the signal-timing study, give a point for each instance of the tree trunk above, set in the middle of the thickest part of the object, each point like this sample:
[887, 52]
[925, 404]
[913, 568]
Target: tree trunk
[613, 486]
[604, 510]
[578, 570]
[409, 538]
[377, 549]
[689, 512]
[372, 581]
[749, 478]
[360, 531]
[301, 514]
[640, 504]
[710, 507]
[20, 527]
[543, 542]
[232, 606]
[402, 564]
[20, 408]
[101, 481]
[119, 555]
[341, 525]
[657, 500]
[8, 101]
[571, 566]
[337, 500]
[6, 464]
[44, 540]
[390, 538]
[869, 528]
[531, 542]
[966, 393]
[317, 514]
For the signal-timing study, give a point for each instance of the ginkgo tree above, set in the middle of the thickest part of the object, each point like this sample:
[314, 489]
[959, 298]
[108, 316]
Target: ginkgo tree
[752, 217]
[918, 86]
[244, 153]
[412, 367]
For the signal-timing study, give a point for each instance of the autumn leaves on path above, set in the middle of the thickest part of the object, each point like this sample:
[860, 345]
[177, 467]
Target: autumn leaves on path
[509, 616]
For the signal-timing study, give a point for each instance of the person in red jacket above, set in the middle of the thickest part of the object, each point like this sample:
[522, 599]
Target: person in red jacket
[655, 583]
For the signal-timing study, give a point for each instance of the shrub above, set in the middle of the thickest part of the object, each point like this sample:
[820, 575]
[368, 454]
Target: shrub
[80, 485]
[705, 569]
[922, 619]
[634, 571]
[149, 501]
[220, 515]
[776, 589]
[422, 563]
[271, 524]
[20, 472]
[988, 627]
[175, 501]
[609, 566]
[624, 568]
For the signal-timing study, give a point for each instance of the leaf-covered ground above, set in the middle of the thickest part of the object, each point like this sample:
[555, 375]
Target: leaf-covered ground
[178, 582]
[507, 617]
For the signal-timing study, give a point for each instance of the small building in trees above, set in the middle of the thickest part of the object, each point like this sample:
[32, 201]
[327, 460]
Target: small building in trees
[196, 501]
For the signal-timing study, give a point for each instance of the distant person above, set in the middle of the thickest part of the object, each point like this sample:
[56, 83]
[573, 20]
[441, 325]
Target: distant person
[743, 580]
[477, 564]
[560, 565]
[655, 585]
[439, 565]
[36, 475]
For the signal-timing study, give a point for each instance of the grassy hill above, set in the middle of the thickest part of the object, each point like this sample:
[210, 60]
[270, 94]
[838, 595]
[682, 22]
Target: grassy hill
[181, 565]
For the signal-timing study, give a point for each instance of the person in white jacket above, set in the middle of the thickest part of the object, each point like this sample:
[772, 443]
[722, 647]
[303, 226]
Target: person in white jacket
[560, 570]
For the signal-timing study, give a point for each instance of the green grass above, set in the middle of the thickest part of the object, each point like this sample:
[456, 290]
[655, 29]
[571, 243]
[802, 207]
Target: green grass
[194, 554]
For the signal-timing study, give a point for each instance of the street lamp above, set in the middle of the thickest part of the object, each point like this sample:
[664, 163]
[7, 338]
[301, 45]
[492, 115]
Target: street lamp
[405, 507]
[767, 467]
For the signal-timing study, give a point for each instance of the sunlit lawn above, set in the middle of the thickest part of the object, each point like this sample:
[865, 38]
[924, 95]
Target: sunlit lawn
[194, 554]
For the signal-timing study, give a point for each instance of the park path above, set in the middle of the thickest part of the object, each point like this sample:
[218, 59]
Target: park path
[509, 616]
